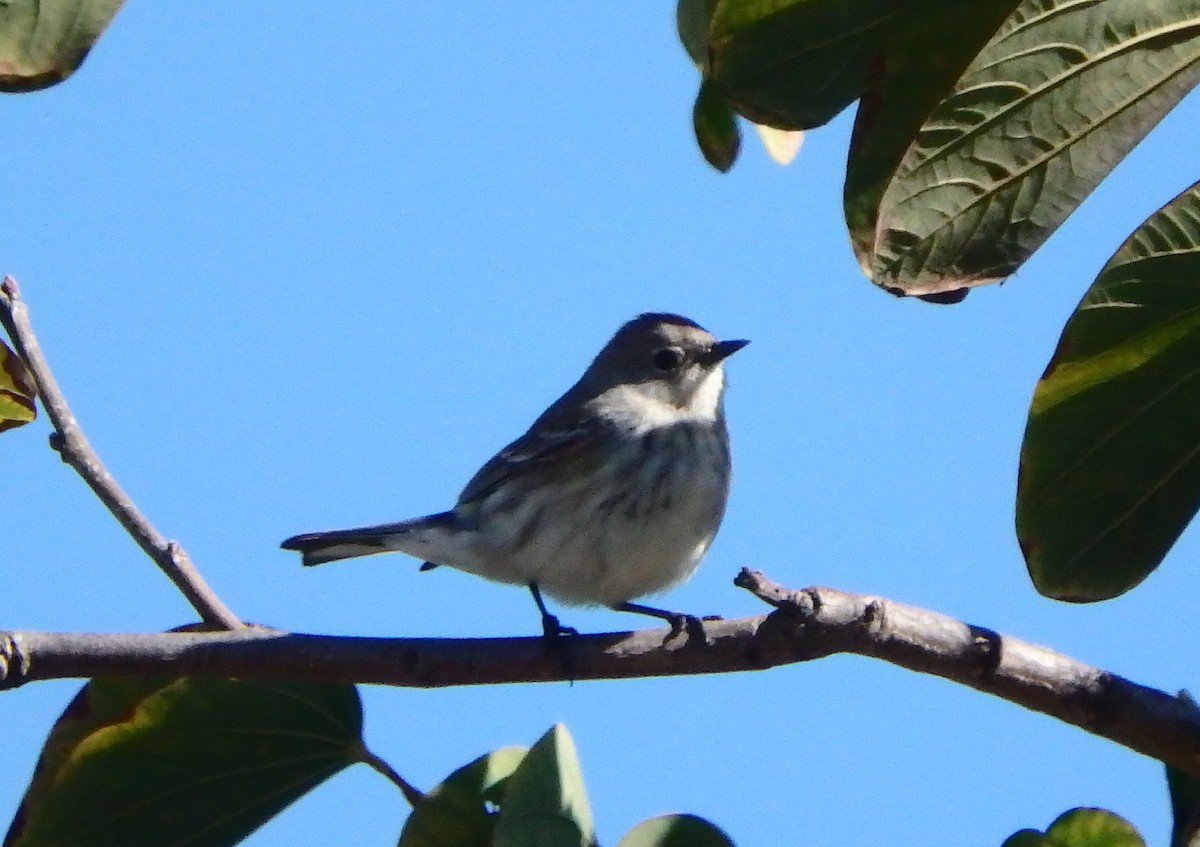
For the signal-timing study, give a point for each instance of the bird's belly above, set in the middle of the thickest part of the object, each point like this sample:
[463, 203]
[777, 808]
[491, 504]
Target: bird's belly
[610, 541]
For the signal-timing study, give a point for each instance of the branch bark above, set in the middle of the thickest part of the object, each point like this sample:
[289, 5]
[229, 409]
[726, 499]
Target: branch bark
[68, 439]
[807, 624]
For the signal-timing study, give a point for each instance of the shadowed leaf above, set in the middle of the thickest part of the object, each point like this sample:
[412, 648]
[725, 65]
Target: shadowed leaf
[42, 42]
[692, 19]
[17, 405]
[794, 64]
[1044, 112]
[1110, 465]
[716, 128]
[675, 831]
[460, 811]
[187, 761]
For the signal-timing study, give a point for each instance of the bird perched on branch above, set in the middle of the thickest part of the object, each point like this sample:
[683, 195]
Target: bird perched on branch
[614, 493]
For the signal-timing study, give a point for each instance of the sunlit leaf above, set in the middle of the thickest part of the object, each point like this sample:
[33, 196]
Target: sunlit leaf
[195, 761]
[1110, 465]
[43, 41]
[781, 145]
[545, 804]
[675, 831]
[1081, 828]
[1038, 119]
[16, 391]
[462, 810]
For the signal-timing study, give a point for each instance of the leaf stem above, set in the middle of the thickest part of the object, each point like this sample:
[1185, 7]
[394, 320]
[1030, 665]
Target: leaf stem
[411, 793]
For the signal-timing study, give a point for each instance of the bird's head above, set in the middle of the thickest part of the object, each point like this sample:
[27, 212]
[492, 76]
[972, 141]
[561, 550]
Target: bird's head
[659, 369]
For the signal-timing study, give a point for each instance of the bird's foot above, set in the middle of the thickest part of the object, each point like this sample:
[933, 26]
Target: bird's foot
[552, 629]
[556, 641]
[690, 625]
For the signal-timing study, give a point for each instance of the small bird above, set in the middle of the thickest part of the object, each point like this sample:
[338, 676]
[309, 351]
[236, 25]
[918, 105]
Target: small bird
[614, 493]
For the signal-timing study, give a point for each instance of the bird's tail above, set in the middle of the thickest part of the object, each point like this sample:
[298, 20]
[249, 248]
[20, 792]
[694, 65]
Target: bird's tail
[317, 548]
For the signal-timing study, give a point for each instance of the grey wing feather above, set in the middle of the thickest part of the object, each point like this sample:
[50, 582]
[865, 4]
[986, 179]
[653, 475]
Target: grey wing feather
[528, 454]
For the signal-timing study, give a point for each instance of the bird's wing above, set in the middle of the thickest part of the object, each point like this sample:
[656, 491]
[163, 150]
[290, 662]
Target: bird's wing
[540, 456]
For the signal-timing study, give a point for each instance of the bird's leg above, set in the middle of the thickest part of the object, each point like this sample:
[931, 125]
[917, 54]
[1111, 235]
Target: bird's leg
[678, 620]
[553, 632]
[551, 628]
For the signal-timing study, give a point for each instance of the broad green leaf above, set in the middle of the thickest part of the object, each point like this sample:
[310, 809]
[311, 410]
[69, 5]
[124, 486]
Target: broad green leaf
[1110, 465]
[692, 19]
[675, 831]
[1051, 104]
[925, 59]
[42, 42]
[17, 405]
[1081, 828]
[458, 812]
[545, 804]
[794, 64]
[195, 761]
[716, 128]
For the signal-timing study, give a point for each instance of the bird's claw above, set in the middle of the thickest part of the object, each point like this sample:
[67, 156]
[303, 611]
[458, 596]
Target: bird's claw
[691, 626]
[551, 628]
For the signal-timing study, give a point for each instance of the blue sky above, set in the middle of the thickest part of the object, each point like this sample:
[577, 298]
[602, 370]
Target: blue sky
[299, 270]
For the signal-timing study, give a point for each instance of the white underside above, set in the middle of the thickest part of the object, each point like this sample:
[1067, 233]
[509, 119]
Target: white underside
[615, 556]
[586, 550]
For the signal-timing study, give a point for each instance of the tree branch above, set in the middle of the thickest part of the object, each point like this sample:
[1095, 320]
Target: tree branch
[808, 624]
[73, 447]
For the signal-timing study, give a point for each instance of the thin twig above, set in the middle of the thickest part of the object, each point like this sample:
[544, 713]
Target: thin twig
[73, 447]
[808, 624]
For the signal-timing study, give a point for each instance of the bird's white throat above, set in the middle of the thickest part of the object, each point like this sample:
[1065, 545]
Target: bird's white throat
[646, 406]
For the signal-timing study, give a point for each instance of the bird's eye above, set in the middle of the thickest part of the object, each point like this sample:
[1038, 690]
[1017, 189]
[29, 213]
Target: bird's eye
[668, 358]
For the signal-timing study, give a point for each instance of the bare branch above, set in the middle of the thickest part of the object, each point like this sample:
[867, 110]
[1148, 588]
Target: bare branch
[73, 447]
[808, 624]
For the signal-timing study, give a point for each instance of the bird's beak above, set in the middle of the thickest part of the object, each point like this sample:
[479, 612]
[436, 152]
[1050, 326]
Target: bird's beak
[722, 350]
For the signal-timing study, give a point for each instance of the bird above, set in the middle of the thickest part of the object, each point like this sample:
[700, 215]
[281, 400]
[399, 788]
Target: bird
[614, 493]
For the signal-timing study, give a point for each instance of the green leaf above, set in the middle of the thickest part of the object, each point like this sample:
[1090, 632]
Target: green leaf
[794, 64]
[1081, 828]
[16, 391]
[1026, 838]
[675, 831]
[195, 761]
[1110, 465]
[927, 54]
[545, 804]
[42, 42]
[458, 812]
[1037, 120]
[716, 128]
[692, 19]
